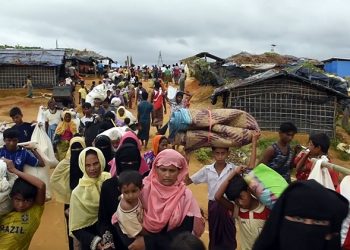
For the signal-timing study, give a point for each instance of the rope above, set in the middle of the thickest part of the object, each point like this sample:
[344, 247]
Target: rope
[210, 124]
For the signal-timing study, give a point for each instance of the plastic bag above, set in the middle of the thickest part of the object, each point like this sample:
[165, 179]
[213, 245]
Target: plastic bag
[6, 182]
[320, 174]
[266, 184]
[44, 145]
[41, 173]
[100, 92]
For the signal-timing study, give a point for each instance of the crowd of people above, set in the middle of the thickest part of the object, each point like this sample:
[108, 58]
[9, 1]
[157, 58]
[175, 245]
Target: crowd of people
[116, 197]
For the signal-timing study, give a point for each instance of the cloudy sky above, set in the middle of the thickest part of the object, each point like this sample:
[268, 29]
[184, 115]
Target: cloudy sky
[180, 28]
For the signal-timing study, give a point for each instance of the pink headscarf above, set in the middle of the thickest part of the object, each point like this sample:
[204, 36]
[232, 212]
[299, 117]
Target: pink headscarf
[143, 166]
[169, 205]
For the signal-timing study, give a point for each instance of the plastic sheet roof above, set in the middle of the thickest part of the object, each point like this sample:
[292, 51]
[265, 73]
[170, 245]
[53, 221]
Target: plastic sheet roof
[272, 73]
[40, 57]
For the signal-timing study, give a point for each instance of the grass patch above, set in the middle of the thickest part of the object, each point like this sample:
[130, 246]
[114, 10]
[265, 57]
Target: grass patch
[204, 155]
[343, 156]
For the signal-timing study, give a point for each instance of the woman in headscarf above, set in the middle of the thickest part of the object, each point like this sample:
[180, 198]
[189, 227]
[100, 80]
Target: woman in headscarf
[169, 206]
[66, 176]
[130, 137]
[123, 113]
[306, 216]
[159, 143]
[84, 202]
[65, 131]
[127, 157]
[103, 143]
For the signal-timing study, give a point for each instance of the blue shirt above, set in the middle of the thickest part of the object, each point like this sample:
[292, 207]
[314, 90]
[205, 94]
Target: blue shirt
[19, 157]
[145, 109]
[25, 131]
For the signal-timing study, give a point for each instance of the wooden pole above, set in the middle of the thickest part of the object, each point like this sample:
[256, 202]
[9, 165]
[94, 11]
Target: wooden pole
[335, 167]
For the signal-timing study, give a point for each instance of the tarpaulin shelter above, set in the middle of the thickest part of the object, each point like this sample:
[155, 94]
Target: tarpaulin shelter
[43, 65]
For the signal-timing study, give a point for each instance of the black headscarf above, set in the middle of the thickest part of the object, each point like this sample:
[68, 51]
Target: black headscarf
[103, 143]
[305, 199]
[74, 170]
[127, 152]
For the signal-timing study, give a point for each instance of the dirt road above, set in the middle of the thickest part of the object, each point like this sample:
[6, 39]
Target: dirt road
[52, 231]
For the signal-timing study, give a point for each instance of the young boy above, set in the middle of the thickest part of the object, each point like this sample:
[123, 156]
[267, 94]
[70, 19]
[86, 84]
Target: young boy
[28, 197]
[52, 118]
[279, 156]
[129, 214]
[250, 213]
[222, 230]
[83, 91]
[25, 128]
[318, 146]
[19, 155]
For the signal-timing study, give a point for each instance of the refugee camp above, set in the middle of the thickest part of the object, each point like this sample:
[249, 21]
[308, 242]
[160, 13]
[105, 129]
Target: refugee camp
[174, 125]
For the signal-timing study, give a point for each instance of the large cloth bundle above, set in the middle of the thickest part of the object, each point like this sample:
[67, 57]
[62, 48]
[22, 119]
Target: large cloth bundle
[266, 184]
[207, 128]
[6, 182]
[100, 92]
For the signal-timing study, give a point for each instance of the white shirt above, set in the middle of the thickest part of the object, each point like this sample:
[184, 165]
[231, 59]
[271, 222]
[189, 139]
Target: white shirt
[85, 119]
[209, 175]
[52, 118]
[69, 81]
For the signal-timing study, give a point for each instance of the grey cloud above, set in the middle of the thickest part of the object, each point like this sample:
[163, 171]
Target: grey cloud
[180, 28]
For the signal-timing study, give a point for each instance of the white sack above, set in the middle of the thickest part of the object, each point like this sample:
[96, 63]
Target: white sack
[320, 174]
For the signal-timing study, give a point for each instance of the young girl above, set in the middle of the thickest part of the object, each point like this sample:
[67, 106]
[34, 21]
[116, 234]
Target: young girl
[129, 213]
[28, 197]
[52, 118]
[65, 131]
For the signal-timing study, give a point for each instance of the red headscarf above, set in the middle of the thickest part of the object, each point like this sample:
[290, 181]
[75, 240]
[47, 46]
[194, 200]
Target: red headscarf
[169, 205]
[143, 166]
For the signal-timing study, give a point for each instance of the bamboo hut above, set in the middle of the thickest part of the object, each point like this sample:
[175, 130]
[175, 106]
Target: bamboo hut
[274, 97]
[43, 65]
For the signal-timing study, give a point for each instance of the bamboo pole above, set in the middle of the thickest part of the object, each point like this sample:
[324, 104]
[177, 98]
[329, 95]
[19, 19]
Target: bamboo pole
[335, 167]
[115, 125]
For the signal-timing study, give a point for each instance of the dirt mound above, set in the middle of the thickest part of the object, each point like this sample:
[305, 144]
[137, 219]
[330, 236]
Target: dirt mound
[201, 94]
[268, 57]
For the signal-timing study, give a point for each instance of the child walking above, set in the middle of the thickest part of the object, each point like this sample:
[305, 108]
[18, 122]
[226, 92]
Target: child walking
[222, 230]
[250, 213]
[28, 197]
[129, 214]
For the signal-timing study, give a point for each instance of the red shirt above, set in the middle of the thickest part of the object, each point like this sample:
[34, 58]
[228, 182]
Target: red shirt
[303, 174]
